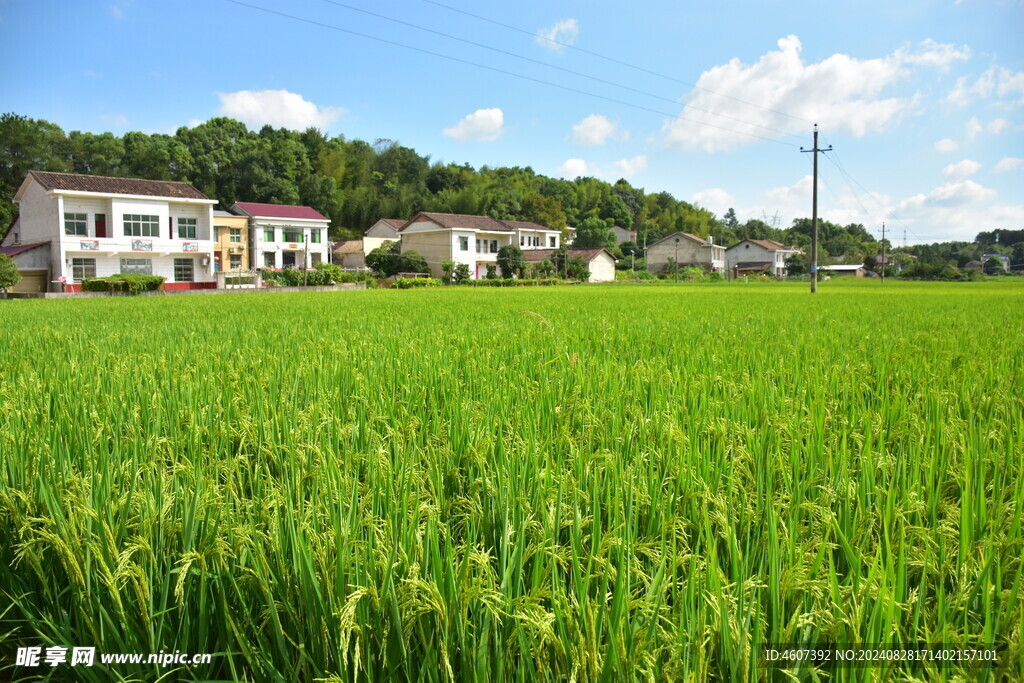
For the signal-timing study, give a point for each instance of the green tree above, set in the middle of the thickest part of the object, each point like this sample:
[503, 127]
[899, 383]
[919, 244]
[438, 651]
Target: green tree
[9, 275]
[411, 262]
[448, 268]
[384, 259]
[461, 273]
[510, 260]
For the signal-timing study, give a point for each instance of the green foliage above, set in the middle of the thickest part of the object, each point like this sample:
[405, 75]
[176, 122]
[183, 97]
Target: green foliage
[492, 271]
[937, 271]
[411, 262]
[510, 260]
[797, 264]
[448, 268]
[123, 282]
[416, 282]
[9, 275]
[384, 260]
[461, 273]
[609, 483]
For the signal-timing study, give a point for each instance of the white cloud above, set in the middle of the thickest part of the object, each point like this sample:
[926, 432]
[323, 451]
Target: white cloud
[931, 53]
[593, 130]
[715, 199]
[947, 145]
[960, 170]
[574, 168]
[630, 167]
[842, 93]
[278, 108]
[1007, 164]
[558, 36]
[483, 125]
[117, 9]
[995, 82]
[995, 127]
[623, 168]
[950, 195]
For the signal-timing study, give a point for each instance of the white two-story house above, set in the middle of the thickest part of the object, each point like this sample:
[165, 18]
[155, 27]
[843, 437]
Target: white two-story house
[99, 226]
[758, 256]
[473, 240]
[285, 236]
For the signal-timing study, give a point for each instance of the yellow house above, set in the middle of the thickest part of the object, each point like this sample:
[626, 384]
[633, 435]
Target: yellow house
[231, 241]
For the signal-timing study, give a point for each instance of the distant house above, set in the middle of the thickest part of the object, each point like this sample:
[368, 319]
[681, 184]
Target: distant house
[285, 235]
[977, 266]
[1002, 259]
[96, 226]
[350, 254]
[599, 262]
[384, 230]
[758, 256]
[623, 235]
[231, 241]
[685, 250]
[33, 262]
[473, 240]
[844, 270]
[570, 234]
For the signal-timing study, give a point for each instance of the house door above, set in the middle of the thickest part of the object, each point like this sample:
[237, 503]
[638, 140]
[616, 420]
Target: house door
[287, 259]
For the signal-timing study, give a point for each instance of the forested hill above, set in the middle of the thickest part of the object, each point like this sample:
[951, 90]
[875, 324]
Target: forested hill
[356, 183]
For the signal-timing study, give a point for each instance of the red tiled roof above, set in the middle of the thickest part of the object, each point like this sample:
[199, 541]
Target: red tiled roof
[16, 249]
[281, 211]
[456, 221]
[96, 183]
[541, 254]
[395, 223]
[526, 225]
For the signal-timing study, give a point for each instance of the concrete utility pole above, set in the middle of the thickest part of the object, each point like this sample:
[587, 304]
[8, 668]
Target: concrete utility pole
[814, 211]
[883, 252]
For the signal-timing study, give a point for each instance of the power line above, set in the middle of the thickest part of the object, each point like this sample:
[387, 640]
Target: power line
[572, 72]
[617, 61]
[332, 27]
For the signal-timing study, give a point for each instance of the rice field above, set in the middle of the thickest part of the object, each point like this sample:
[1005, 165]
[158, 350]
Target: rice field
[604, 483]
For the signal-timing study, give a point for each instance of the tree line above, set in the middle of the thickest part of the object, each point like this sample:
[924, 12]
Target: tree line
[356, 183]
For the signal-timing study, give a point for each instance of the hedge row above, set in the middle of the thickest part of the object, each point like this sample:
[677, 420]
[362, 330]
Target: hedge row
[123, 282]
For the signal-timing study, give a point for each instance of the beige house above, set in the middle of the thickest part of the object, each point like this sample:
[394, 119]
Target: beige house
[473, 240]
[685, 250]
[758, 256]
[231, 242]
[623, 235]
[349, 253]
[599, 262]
[384, 230]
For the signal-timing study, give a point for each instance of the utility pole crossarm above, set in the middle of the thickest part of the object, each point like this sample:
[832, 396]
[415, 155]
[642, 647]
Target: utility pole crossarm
[814, 211]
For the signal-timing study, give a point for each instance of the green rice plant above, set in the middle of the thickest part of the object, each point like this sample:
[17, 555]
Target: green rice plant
[594, 483]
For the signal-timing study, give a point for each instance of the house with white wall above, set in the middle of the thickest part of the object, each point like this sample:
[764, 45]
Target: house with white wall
[384, 230]
[758, 256]
[685, 249]
[285, 235]
[98, 226]
[599, 262]
[473, 240]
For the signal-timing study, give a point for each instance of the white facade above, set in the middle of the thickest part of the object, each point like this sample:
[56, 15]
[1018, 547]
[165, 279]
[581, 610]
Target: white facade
[279, 241]
[105, 233]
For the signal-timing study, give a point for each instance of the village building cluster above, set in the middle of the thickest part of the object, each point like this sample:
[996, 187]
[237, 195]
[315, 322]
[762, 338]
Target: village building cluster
[71, 227]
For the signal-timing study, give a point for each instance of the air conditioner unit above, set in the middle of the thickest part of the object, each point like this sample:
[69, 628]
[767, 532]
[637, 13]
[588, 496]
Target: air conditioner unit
[235, 250]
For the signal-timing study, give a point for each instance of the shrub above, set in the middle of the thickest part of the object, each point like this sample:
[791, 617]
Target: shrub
[412, 282]
[123, 282]
[9, 275]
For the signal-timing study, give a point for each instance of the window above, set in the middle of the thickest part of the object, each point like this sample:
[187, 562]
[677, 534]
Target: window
[184, 270]
[522, 240]
[292, 235]
[143, 266]
[236, 261]
[138, 225]
[82, 268]
[236, 235]
[187, 229]
[269, 260]
[75, 224]
[463, 244]
[494, 246]
[314, 236]
[268, 234]
[552, 241]
[287, 259]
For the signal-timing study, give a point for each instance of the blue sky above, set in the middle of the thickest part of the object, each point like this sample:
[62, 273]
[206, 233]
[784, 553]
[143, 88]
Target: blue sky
[923, 101]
